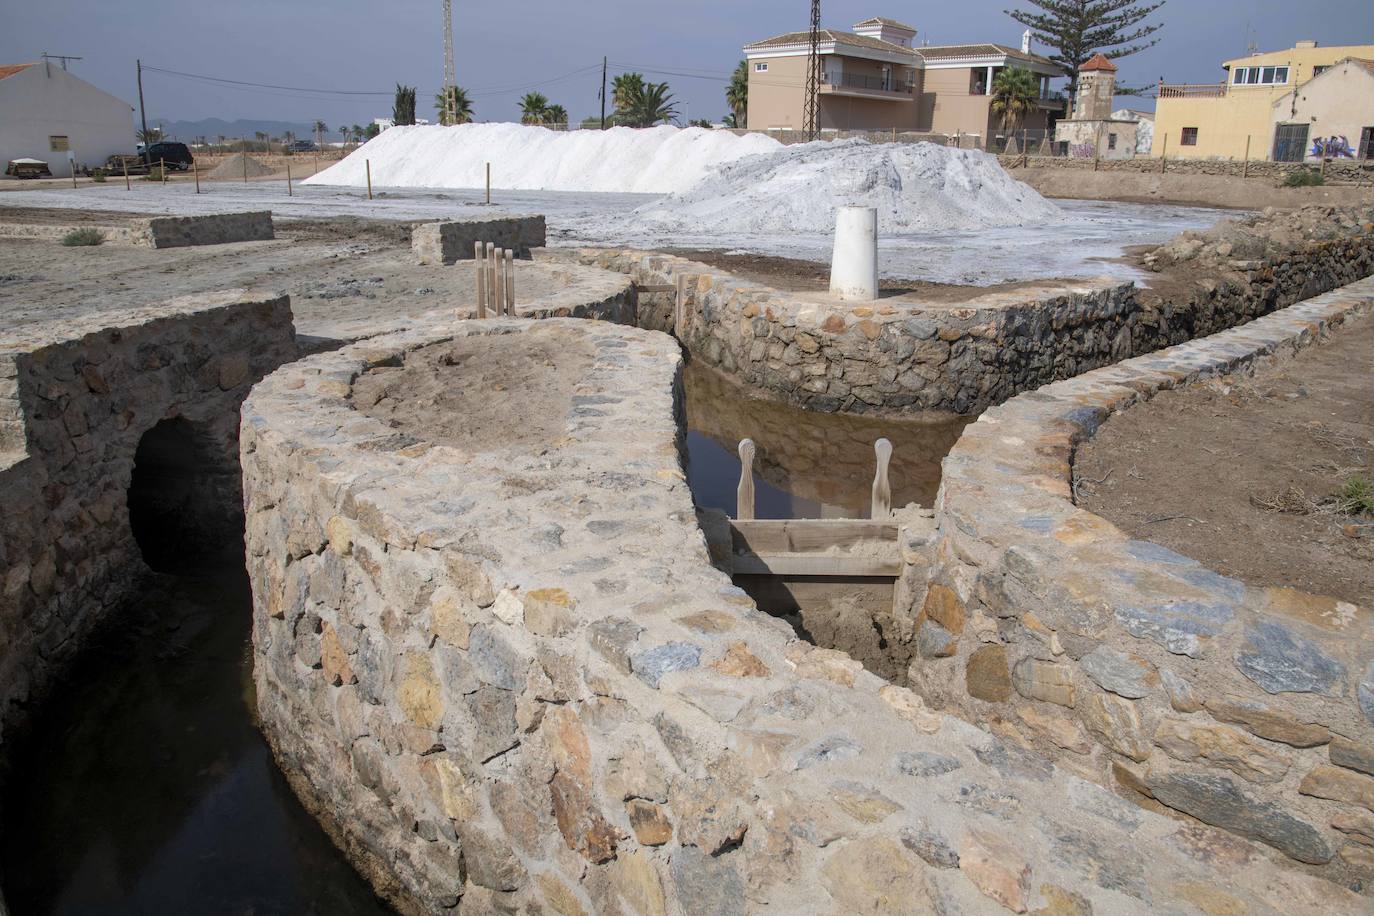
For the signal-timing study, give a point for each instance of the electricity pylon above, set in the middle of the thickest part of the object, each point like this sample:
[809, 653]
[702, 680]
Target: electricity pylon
[450, 69]
[809, 116]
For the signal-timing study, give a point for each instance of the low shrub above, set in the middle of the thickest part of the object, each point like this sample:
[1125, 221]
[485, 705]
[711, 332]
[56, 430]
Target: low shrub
[98, 176]
[1304, 178]
[81, 237]
[154, 174]
[1356, 497]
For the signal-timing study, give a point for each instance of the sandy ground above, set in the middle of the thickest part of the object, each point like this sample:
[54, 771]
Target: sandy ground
[1088, 242]
[1238, 473]
[508, 392]
[345, 281]
[1187, 190]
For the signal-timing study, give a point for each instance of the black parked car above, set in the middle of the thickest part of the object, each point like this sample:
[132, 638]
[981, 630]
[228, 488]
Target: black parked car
[301, 146]
[175, 155]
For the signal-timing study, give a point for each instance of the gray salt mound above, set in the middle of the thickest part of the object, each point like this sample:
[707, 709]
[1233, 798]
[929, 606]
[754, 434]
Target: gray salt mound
[918, 187]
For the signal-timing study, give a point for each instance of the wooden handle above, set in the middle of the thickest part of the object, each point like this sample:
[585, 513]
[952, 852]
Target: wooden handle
[510, 282]
[744, 494]
[882, 490]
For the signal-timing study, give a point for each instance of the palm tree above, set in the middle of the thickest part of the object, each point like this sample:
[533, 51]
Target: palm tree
[149, 136]
[650, 105]
[556, 115]
[357, 133]
[1015, 92]
[729, 120]
[457, 100]
[344, 131]
[403, 107]
[737, 93]
[261, 137]
[321, 129]
[627, 86]
[533, 108]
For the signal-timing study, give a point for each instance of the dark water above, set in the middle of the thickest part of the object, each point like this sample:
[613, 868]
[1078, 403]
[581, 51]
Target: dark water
[146, 788]
[807, 464]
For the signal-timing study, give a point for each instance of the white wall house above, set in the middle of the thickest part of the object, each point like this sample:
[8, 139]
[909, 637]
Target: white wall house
[46, 112]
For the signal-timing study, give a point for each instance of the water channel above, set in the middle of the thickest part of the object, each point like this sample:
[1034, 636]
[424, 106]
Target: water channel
[145, 786]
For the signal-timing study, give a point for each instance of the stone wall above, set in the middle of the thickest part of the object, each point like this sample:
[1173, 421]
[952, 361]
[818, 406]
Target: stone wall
[210, 229]
[1353, 171]
[895, 355]
[76, 398]
[1248, 708]
[453, 240]
[509, 680]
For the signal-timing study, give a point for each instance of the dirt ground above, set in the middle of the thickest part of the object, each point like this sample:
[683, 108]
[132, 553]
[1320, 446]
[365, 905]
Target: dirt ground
[1224, 191]
[795, 275]
[1241, 473]
[459, 394]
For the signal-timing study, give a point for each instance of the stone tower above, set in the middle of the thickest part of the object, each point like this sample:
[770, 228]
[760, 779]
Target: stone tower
[1096, 88]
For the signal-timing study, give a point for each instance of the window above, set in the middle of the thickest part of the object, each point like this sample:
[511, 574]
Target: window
[1320, 69]
[761, 68]
[1260, 76]
[58, 144]
[1189, 136]
[1367, 143]
[1111, 141]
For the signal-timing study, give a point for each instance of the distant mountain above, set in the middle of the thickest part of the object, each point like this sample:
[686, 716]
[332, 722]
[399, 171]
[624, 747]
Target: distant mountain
[213, 128]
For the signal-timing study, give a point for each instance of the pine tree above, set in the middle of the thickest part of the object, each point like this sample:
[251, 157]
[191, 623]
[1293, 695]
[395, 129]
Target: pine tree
[1077, 29]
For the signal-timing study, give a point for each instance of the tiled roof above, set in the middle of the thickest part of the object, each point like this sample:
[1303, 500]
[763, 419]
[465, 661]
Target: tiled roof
[7, 70]
[1098, 62]
[951, 52]
[883, 20]
[827, 35]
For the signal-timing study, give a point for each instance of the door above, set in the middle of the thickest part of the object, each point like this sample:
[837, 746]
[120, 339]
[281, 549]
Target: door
[1367, 143]
[1290, 142]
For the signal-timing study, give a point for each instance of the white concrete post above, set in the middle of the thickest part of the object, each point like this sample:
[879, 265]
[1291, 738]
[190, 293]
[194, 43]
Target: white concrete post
[854, 263]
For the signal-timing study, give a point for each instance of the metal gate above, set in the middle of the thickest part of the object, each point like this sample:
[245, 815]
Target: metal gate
[1290, 142]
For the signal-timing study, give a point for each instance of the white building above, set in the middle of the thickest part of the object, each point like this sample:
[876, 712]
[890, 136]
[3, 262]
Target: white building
[46, 113]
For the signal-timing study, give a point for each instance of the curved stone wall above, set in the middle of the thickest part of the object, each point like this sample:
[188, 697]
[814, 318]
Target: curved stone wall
[1248, 708]
[904, 354]
[76, 398]
[510, 680]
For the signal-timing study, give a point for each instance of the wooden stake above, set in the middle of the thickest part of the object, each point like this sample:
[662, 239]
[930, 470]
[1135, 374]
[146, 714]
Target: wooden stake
[744, 493]
[1245, 171]
[488, 184]
[510, 282]
[124, 162]
[1164, 155]
[195, 168]
[288, 180]
[162, 167]
[480, 269]
[499, 268]
[490, 267]
[882, 490]
[368, 164]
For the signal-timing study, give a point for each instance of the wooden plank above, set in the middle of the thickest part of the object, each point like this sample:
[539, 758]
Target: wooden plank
[817, 564]
[802, 535]
[882, 490]
[655, 287]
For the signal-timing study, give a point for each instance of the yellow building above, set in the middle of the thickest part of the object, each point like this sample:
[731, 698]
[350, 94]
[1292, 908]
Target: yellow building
[1223, 120]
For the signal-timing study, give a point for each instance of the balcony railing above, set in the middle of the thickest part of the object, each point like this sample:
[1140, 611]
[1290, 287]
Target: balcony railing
[876, 83]
[1193, 91]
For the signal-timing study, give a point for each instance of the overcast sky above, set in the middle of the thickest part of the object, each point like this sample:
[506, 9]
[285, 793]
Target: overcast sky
[553, 46]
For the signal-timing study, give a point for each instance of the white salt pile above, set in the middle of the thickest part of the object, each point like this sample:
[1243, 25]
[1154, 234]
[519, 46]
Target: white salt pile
[659, 160]
[915, 187]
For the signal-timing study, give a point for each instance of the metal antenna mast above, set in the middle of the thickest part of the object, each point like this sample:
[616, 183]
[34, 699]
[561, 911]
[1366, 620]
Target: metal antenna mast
[450, 69]
[809, 117]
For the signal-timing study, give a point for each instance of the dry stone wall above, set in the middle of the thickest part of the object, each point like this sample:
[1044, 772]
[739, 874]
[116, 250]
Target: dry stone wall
[902, 356]
[511, 681]
[76, 398]
[1251, 709]
[453, 240]
[1336, 171]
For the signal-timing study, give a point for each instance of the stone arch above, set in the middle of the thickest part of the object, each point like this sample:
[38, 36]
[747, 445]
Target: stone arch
[182, 498]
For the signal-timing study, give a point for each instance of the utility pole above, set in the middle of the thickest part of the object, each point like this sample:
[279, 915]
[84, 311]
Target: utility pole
[809, 115]
[603, 93]
[143, 115]
[450, 68]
